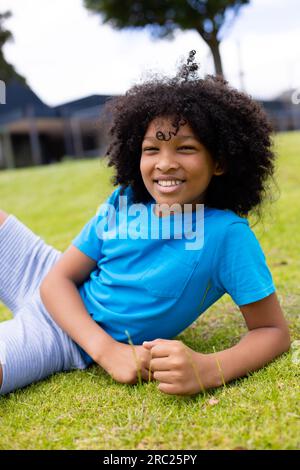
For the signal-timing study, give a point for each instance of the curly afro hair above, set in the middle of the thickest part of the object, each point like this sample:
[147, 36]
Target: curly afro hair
[231, 125]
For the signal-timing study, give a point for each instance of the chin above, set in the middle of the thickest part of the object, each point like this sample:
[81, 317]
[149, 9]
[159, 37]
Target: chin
[169, 202]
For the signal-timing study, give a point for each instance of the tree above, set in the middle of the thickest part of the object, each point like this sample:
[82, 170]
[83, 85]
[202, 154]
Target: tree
[7, 71]
[209, 17]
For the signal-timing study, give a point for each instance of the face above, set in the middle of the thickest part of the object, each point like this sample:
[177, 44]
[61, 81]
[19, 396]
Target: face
[178, 170]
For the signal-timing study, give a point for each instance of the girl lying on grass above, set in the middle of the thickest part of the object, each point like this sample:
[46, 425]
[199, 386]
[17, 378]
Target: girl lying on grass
[189, 144]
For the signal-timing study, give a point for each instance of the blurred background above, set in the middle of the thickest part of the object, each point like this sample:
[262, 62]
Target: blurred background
[60, 60]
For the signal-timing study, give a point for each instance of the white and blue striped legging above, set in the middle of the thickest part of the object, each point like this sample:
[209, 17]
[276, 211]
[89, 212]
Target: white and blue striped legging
[32, 345]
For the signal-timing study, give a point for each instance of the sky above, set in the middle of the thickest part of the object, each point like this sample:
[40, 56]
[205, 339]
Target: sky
[65, 52]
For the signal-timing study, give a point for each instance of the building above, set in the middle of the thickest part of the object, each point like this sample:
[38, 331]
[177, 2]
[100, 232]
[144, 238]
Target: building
[283, 112]
[32, 133]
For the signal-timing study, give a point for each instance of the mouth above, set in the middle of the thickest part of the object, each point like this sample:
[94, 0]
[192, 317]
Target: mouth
[168, 186]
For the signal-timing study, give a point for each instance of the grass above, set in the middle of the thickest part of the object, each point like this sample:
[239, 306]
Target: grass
[88, 410]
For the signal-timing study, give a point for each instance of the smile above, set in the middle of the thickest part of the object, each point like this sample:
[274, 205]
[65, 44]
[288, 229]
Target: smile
[167, 186]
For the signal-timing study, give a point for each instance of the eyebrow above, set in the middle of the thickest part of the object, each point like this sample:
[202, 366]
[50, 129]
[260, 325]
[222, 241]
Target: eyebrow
[178, 137]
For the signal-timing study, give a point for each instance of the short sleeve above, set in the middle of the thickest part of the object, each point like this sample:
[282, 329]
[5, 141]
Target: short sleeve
[89, 240]
[241, 268]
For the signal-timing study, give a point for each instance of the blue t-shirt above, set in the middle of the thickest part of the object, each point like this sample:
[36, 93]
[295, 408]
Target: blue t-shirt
[150, 286]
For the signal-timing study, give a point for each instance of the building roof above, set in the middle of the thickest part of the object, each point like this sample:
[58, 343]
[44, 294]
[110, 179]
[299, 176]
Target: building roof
[22, 103]
[75, 106]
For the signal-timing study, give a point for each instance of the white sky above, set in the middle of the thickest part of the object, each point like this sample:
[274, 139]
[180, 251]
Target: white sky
[66, 53]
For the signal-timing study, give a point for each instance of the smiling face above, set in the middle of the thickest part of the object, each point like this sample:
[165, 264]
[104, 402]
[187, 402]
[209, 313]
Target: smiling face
[177, 170]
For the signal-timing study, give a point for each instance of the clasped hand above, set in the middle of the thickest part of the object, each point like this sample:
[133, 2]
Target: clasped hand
[177, 368]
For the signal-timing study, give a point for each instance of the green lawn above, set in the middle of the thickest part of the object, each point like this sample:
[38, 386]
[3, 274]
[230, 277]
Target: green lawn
[87, 409]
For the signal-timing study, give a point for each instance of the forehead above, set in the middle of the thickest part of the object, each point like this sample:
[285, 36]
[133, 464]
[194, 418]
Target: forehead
[165, 125]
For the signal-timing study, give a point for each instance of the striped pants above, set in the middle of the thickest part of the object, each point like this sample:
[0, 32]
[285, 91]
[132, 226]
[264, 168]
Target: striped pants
[32, 345]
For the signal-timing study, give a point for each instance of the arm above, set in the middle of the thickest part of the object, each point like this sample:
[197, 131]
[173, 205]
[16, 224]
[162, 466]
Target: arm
[267, 338]
[60, 295]
[61, 298]
[180, 370]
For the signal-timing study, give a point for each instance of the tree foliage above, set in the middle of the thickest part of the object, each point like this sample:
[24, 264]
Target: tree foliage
[210, 18]
[7, 70]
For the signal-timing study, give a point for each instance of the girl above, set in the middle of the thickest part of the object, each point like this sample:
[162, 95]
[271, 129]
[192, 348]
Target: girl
[181, 143]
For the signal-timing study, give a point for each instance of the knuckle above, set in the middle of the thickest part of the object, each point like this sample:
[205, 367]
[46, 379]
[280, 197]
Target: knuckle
[178, 348]
[177, 363]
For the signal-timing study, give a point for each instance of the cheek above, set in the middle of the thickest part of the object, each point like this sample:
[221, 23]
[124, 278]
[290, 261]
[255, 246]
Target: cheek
[200, 168]
[145, 167]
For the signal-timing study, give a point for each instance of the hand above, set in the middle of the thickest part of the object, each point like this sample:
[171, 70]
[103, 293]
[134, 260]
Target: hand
[179, 369]
[123, 362]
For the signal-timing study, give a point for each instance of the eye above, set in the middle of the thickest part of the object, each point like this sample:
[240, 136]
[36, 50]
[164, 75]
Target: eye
[150, 149]
[186, 147]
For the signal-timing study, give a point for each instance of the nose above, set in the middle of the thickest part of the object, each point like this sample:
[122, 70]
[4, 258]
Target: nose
[166, 160]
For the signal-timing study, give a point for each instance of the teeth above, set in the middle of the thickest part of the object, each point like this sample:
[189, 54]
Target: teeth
[169, 183]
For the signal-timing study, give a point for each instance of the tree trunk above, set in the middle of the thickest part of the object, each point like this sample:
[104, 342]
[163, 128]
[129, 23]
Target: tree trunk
[214, 45]
[215, 50]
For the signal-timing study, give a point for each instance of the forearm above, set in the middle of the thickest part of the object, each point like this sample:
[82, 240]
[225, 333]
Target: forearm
[257, 348]
[62, 300]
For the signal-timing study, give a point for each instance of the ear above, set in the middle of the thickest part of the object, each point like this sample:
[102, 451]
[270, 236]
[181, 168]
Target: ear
[218, 170]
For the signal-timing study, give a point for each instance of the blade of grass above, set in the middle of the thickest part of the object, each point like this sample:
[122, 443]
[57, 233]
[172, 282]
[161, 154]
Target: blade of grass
[219, 368]
[136, 358]
[195, 370]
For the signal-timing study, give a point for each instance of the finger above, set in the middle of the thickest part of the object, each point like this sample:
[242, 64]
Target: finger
[160, 350]
[163, 377]
[160, 364]
[150, 344]
[170, 389]
[147, 375]
[144, 374]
